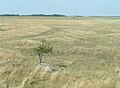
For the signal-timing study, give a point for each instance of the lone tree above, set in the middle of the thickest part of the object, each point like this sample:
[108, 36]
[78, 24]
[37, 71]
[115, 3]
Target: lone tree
[41, 49]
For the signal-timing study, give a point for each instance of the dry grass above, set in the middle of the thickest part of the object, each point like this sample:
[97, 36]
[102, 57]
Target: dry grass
[87, 49]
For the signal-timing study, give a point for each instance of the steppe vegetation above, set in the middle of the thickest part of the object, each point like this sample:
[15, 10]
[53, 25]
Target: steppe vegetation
[87, 49]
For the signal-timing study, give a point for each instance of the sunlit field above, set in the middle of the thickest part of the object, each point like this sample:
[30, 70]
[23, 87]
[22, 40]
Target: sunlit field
[87, 49]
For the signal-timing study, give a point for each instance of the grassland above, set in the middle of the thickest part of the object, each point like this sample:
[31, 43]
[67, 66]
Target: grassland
[86, 48]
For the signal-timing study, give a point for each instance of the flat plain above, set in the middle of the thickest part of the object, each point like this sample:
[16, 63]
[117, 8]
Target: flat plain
[87, 49]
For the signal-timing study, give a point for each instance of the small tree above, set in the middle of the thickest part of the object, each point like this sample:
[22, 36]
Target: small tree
[41, 49]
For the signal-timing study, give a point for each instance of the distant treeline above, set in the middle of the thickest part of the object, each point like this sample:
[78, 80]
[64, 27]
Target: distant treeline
[102, 16]
[32, 15]
[53, 15]
[9, 15]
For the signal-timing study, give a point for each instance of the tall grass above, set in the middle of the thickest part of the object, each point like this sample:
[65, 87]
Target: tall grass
[86, 49]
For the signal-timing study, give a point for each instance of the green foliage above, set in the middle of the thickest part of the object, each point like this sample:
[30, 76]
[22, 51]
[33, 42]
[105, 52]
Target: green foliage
[41, 49]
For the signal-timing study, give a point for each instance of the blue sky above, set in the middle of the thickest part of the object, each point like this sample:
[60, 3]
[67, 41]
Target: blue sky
[66, 7]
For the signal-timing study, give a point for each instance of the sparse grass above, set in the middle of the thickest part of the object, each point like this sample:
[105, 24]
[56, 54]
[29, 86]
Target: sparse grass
[87, 49]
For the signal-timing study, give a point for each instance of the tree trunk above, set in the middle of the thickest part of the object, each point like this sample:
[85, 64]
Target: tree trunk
[40, 57]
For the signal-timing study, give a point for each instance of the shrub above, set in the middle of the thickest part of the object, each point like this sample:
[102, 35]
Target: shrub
[42, 49]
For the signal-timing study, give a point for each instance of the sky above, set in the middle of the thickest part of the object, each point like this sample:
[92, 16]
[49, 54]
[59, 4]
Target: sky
[65, 7]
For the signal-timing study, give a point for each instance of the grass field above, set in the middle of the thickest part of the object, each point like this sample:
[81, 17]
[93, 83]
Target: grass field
[86, 48]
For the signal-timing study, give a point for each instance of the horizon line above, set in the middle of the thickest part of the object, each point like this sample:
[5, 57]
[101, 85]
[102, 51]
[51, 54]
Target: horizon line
[37, 14]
